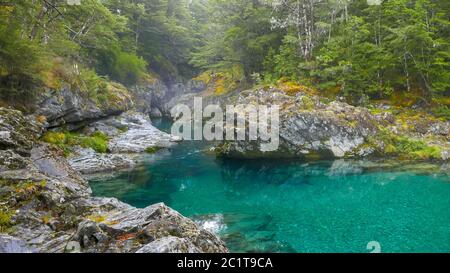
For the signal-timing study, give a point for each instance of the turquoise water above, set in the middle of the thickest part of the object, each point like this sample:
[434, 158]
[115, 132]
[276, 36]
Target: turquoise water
[286, 206]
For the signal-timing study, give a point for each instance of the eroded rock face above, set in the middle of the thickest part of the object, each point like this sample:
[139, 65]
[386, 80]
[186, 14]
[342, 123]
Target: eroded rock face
[18, 132]
[69, 108]
[49, 208]
[313, 127]
[149, 95]
[308, 127]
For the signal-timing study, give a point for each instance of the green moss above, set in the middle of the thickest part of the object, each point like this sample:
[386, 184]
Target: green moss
[98, 141]
[404, 147]
[390, 149]
[223, 81]
[97, 218]
[23, 192]
[123, 129]
[428, 152]
[308, 103]
[5, 220]
[152, 150]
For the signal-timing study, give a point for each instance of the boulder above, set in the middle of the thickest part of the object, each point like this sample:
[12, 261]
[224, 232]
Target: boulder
[131, 134]
[308, 127]
[87, 161]
[312, 127]
[140, 136]
[72, 109]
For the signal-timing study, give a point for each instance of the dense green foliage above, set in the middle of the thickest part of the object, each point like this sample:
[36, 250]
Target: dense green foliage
[46, 41]
[361, 51]
[67, 140]
[346, 47]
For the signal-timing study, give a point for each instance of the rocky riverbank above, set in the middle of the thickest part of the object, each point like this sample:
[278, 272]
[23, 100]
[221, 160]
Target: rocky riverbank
[314, 127]
[46, 206]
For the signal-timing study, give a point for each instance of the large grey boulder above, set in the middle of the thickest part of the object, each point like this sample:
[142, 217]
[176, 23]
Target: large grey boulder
[88, 161]
[308, 127]
[74, 110]
[141, 135]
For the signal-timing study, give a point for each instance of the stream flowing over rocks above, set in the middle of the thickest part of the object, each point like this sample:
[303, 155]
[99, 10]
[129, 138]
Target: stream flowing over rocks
[47, 206]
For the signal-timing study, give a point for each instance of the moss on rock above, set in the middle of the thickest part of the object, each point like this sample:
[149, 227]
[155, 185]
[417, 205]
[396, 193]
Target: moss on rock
[98, 141]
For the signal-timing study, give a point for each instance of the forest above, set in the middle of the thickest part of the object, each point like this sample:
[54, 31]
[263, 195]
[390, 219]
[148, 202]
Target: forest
[358, 50]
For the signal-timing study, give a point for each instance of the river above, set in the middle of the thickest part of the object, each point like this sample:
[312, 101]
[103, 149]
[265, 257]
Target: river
[292, 206]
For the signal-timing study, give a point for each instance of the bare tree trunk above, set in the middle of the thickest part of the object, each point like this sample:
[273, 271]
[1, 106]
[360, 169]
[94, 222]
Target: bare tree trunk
[39, 18]
[405, 67]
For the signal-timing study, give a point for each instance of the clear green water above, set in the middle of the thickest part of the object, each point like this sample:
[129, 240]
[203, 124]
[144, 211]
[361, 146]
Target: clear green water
[285, 206]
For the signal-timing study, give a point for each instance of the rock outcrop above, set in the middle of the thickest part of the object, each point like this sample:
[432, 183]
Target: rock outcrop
[47, 207]
[73, 109]
[312, 127]
[149, 95]
[131, 134]
[152, 95]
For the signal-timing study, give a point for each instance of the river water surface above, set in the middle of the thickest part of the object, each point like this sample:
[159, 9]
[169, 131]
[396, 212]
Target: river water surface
[289, 206]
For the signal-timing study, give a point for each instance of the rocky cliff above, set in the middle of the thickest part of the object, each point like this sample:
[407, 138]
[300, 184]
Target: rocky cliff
[312, 127]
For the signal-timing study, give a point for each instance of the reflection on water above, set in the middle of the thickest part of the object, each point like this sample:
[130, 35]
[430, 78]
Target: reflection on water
[289, 206]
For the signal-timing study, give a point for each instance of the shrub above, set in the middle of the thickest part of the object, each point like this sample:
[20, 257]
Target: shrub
[98, 141]
[405, 147]
[442, 112]
[5, 220]
[128, 68]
